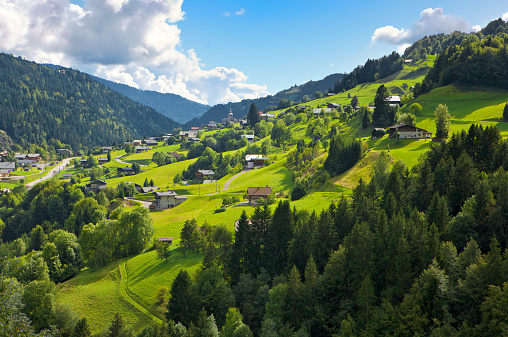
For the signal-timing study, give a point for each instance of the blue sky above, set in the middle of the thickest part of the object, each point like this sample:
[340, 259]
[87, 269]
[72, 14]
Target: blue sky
[227, 50]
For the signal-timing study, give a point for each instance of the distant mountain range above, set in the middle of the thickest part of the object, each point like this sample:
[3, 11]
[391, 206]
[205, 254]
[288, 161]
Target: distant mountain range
[173, 106]
[240, 109]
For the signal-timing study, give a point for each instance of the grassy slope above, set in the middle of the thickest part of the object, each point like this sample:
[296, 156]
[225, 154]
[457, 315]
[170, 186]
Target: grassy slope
[146, 273]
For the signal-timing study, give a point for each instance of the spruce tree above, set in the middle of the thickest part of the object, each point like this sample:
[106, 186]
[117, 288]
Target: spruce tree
[365, 119]
[380, 115]
[505, 112]
[183, 304]
[253, 115]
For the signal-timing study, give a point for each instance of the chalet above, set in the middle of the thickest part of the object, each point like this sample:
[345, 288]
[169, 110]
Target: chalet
[331, 94]
[83, 162]
[136, 142]
[148, 189]
[408, 61]
[176, 155]
[243, 122]
[333, 106]
[267, 115]
[7, 166]
[200, 174]
[125, 171]
[106, 149]
[102, 160]
[4, 173]
[255, 193]
[194, 128]
[250, 138]
[322, 110]
[409, 131]
[184, 135]
[19, 156]
[64, 152]
[167, 199]
[255, 160]
[301, 107]
[394, 100]
[95, 186]
[167, 240]
[212, 125]
[66, 176]
[151, 142]
[194, 140]
[140, 149]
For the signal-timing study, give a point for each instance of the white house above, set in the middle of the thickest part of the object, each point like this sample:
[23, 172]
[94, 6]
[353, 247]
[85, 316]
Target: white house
[250, 138]
[409, 131]
[167, 199]
[252, 160]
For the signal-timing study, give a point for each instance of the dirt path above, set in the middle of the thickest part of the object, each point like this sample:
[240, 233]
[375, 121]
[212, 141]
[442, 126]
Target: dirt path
[227, 183]
[124, 292]
[122, 162]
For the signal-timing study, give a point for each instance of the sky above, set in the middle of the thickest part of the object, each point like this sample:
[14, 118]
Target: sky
[226, 50]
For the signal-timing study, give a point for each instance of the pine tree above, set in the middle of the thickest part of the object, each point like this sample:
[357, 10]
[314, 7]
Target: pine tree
[183, 303]
[505, 112]
[442, 118]
[81, 329]
[380, 115]
[365, 119]
[118, 328]
[145, 184]
[151, 183]
[278, 236]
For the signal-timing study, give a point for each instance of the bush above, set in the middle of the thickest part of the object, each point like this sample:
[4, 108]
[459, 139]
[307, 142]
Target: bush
[220, 210]
[298, 192]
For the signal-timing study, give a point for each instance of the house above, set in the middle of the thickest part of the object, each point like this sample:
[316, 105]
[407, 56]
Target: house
[377, 132]
[125, 171]
[95, 186]
[64, 152]
[83, 162]
[212, 125]
[267, 115]
[192, 133]
[167, 199]
[136, 142]
[106, 149]
[255, 193]
[151, 142]
[194, 128]
[408, 61]
[333, 105]
[140, 149]
[409, 131]
[102, 160]
[243, 122]
[148, 189]
[176, 155]
[184, 135]
[167, 240]
[204, 174]
[4, 173]
[250, 138]
[7, 166]
[255, 160]
[194, 140]
[331, 94]
[394, 100]
[19, 156]
[301, 107]
[66, 176]
[322, 110]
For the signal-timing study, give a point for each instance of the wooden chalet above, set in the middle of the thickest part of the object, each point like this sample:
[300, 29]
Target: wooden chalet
[409, 131]
[201, 174]
[254, 193]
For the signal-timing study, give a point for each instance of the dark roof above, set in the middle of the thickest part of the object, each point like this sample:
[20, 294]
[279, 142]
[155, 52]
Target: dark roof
[165, 194]
[261, 191]
[97, 181]
[126, 169]
[148, 189]
[170, 240]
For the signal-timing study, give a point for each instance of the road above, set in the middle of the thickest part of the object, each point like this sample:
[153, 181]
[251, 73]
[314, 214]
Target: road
[53, 172]
[122, 162]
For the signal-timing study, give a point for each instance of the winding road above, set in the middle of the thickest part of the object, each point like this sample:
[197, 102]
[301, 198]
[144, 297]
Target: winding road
[53, 172]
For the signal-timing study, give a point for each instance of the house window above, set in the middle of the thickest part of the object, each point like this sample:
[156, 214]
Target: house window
[418, 135]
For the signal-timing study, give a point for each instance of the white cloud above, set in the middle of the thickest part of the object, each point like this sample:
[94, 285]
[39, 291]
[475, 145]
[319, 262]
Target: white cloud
[135, 42]
[226, 14]
[476, 28]
[432, 21]
[505, 17]
[402, 48]
[241, 11]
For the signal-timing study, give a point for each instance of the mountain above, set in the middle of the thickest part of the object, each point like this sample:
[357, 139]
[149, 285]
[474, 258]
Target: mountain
[240, 109]
[40, 104]
[173, 106]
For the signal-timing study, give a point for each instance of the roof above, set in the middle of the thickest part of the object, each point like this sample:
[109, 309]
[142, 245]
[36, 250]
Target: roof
[151, 141]
[102, 159]
[252, 157]
[206, 172]
[107, 147]
[142, 148]
[148, 189]
[334, 104]
[404, 124]
[67, 175]
[320, 110]
[393, 99]
[194, 128]
[261, 191]
[97, 181]
[248, 136]
[7, 165]
[166, 194]
[176, 154]
[168, 239]
[301, 106]
[180, 197]
[124, 169]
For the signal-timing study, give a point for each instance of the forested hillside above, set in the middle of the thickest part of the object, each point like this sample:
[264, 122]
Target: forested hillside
[170, 105]
[294, 94]
[39, 104]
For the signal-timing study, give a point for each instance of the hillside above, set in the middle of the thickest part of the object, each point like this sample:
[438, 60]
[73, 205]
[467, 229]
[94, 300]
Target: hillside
[240, 109]
[173, 106]
[39, 104]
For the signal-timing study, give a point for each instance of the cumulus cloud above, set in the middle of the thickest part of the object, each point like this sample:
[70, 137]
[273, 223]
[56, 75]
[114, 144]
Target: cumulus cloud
[476, 28]
[134, 42]
[505, 17]
[432, 21]
[241, 11]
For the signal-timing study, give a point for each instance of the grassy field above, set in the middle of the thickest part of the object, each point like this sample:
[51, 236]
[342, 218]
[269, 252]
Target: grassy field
[145, 273]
